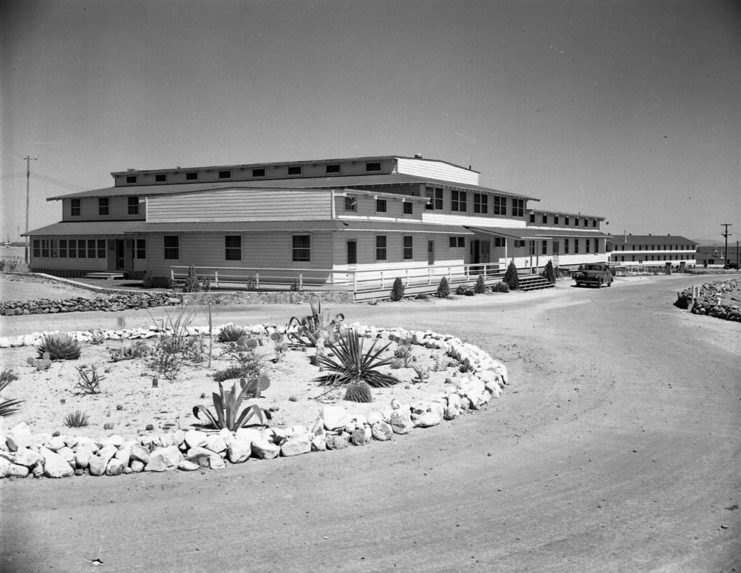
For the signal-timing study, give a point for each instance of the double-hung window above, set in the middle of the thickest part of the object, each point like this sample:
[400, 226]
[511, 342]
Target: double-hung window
[233, 247]
[458, 201]
[380, 247]
[103, 206]
[141, 248]
[434, 198]
[74, 207]
[301, 248]
[518, 207]
[500, 205]
[480, 203]
[172, 247]
[380, 205]
[133, 203]
[408, 247]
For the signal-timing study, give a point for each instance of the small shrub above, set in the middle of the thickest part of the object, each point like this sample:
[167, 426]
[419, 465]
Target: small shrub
[460, 290]
[501, 286]
[97, 337]
[7, 376]
[548, 273]
[193, 283]
[89, 382]
[245, 362]
[227, 406]
[510, 276]
[480, 286]
[280, 346]
[404, 353]
[397, 363]
[59, 347]
[352, 364]
[9, 406]
[76, 420]
[139, 349]
[231, 333]
[314, 328]
[443, 289]
[422, 296]
[397, 290]
[360, 392]
[423, 374]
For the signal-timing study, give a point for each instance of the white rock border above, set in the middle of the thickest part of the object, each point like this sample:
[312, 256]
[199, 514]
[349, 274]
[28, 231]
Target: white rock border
[23, 453]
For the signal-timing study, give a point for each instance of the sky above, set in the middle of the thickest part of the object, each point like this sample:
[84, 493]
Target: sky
[626, 109]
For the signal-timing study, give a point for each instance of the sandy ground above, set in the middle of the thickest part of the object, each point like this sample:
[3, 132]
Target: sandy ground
[616, 448]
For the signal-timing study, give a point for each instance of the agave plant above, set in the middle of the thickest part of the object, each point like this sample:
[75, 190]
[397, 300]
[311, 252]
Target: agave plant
[231, 333]
[317, 326]
[76, 420]
[227, 406]
[350, 363]
[7, 407]
[59, 347]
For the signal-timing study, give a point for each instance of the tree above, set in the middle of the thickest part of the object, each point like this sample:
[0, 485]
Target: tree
[548, 273]
[480, 286]
[510, 277]
[397, 291]
[443, 290]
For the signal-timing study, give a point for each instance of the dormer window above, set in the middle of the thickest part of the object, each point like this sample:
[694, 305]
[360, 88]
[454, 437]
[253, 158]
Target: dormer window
[373, 166]
[259, 172]
[191, 176]
[131, 179]
[225, 174]
[333, 168]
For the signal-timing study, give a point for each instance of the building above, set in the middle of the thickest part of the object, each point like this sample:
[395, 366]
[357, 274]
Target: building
[714, 256]
[329, 220]
[652, 250]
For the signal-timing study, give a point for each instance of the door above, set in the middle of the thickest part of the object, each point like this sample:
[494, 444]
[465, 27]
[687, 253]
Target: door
[119, 254]
[128, 262]
[352, 252]
[431, 252]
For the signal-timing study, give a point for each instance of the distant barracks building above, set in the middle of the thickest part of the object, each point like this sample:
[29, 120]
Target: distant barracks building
[652, 250]
[331, 219]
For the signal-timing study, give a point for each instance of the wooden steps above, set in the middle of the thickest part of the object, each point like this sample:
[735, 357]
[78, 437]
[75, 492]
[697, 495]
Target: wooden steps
[105, 275]
[533, 282]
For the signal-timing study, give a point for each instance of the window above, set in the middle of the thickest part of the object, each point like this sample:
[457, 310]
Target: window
[101, 248]
[576, 245]
[518, 207]
[408, 208]
[594, 222]
[544, 248]
[457, 242]
[45, 248]
[596, 245]
[519, 243]
[62, 248]
[81, 248]
[555, 219]
[259, 172]
[141, 248]
[586, 222]
[374, 166]
[131, 179]
[172, 247]
[228, 174]
[435, 198]
[160, 178]
[480, 203]
[566, 246]
[408, 247]
[333, 168]
[586, 244]
[74, 207]
[73, 248]
[54, 248]
[133, 203]
[500, 242]
[191, 176]
[565, 220]
[351, 203]
[532, 217]
[500, 205]
[532, 247]
[91, 250]
[36, 248]
[545, 219]
[458, 200]
[301, 248]
[294, 170]
[576, 221]
[103, 206]
[381, 247]
[380, 205]
[233, 247]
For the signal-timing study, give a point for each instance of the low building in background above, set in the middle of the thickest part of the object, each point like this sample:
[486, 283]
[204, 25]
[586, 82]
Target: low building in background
[652, 250]
[715, 256]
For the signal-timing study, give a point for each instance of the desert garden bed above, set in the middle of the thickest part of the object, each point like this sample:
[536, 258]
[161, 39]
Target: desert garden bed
[140, 415]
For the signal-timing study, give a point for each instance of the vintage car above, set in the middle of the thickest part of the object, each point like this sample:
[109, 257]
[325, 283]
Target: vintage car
[594, 274]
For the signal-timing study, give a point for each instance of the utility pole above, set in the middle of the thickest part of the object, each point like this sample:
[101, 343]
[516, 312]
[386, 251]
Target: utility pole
[28, 159]
[725, 234]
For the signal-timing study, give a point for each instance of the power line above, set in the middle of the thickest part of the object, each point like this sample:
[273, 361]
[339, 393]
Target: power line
[57, 182]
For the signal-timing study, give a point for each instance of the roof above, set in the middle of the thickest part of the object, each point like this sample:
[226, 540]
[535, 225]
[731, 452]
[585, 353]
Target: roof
[531, 233]
[567, 214]
[97, 228]
[651, 239]
[284, 163]
[340, 182]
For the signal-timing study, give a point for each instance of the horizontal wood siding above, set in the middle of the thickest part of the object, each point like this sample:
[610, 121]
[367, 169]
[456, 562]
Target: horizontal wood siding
[473, 220]
[118, 210]
[366, 250]
[437, 170]
[366, 208]
[240, 205]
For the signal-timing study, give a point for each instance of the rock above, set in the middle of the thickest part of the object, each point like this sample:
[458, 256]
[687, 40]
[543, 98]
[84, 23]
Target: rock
[19, 436]
[428, 419]
[358, 437]
[115, 440]
[239, 451]
[91, 445]
[319, 441]
[137, 466]
[382, 431]
[337, 442]
[4, 467]
[195, 438]
[106, 453]
[97, 465]
[296, 445]
[215, 444]
[163, 459]
[55, 466]
[265, 449]
[115, 467]
[123, 455]
[335, 417]
[27, 457]
[401, 422]
[55, 443]
[17, 470]
[82, 457]
[187, 466]
[375, 417]
[68, 455]
[251, 434]
[140, 453]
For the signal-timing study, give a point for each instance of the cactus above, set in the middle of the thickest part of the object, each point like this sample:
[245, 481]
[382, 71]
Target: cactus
[76, 420]
[231, 333]
[59, 347]
[359, 392]
[423, 374]
[40, 364]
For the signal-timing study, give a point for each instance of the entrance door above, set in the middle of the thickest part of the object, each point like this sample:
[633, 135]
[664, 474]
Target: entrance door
[128, 262]
[352, 252]
[431, 252]
[119, 254]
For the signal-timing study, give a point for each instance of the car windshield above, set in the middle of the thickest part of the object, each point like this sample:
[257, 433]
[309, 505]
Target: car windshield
[592, 267]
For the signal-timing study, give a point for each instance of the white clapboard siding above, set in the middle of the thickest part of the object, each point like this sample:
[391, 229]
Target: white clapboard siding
[474, 221]
[436, 170]
[240, 205]
[366, 251]
[118, 210]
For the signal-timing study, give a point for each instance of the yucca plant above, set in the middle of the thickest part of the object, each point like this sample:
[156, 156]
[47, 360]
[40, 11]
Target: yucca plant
[76, 420]
[59, 347]
[231, 333]
[7, 407]
[227, 406]
[317, 326]
[350, 363]
[360, 392]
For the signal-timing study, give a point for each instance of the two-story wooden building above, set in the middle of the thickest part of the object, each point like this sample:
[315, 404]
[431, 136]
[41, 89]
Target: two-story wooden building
[652, 250]
[334, 217]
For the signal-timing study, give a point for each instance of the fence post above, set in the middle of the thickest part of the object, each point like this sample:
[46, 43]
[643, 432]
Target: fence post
[406, 277]
[429, 275]
[381, 279]
[172, 275]
[355, 281]
[216, 279]
[485, 267]
[301, 281]
[257, 281]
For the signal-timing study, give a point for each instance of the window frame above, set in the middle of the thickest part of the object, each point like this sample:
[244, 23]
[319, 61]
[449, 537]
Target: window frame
[233, 252]
[373, 166]
[381, 206]
[258, 172]
[75, 207]
[518, 207]
[481, 203]
[407, 250]
[62, 248]
[132, 209]
[407, 208]
[351, 203]
[104, 206]
[140, 248]
[226, 174]
[160, 178]
[381, 247]
[295, 170]
[300, 253]
[500, 205]
[333, 168]
[458, 201]
[171, 252]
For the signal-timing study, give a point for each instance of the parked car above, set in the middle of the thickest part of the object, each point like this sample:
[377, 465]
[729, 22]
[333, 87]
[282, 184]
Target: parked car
[594, 274]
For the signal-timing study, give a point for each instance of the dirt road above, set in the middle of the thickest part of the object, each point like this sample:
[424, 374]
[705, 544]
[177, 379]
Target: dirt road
[616, 448]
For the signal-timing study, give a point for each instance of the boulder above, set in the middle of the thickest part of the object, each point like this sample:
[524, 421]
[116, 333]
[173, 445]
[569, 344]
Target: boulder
[337, 442]
[19, 436]
[55, 466]
[401, 422]
[27, 457]
[137, 466]
[265, 449]
[428, 419]
[358, 437]
[187, 466]
[335, 417]
[97, 465]
[296, 445]
[140, 453]
[163, 459]
[382, 431]
[239, 451]
[17, 470]
[216, 444]
[55, 443]
[115, 467]
[83, 457]
[195, 438]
